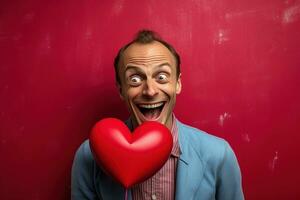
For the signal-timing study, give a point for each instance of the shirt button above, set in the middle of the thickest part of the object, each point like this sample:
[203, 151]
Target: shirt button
[153, 197]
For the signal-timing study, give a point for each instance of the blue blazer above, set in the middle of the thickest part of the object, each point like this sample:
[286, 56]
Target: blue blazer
[207, 169]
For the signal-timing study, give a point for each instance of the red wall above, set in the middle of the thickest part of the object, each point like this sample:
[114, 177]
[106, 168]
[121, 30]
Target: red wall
[240, 71]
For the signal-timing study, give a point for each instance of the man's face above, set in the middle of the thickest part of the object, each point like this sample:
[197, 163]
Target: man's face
[148, 83]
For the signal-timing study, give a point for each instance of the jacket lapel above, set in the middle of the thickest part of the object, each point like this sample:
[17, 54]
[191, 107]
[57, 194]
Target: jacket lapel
[190, 167]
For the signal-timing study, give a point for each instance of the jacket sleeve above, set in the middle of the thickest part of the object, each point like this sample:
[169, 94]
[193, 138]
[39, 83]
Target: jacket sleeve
[82, 181]
[229, 186]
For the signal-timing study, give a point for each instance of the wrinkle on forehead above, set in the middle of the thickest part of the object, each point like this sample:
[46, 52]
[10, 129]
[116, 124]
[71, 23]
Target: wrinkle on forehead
[147, 59]
[151, 52]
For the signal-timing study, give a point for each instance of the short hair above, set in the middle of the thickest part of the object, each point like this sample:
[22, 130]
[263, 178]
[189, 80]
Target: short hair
[145, 37]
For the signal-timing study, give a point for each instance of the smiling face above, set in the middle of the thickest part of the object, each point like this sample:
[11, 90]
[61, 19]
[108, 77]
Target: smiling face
[148, 82]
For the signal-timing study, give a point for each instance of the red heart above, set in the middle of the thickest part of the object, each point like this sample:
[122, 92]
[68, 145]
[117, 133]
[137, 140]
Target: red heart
[128, 157]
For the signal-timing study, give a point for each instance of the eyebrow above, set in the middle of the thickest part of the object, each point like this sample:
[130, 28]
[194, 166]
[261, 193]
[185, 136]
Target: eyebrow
[128, 67]
[132, 67]
[163, 64]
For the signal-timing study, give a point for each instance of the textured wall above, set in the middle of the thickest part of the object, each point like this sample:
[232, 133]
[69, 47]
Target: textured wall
[240, 73]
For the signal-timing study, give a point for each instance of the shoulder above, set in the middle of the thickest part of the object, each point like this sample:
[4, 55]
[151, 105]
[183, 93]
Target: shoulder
[207, 146]
[201, 138]
[84, 155]
[84, 149]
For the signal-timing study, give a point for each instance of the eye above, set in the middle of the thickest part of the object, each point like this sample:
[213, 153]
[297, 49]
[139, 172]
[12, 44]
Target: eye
[163, 78]
[135, 80]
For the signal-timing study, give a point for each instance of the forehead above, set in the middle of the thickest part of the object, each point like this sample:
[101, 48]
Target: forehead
[145, 54]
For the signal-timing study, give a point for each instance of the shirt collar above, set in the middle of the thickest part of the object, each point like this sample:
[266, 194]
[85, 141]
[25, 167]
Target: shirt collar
[174, 130]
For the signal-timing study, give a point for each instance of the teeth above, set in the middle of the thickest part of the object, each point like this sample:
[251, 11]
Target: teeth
[151, 105]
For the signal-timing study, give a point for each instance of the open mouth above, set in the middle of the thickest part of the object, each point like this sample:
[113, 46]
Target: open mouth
[151, 111]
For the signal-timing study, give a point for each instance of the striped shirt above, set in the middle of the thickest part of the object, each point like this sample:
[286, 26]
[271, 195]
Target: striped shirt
[161, 186]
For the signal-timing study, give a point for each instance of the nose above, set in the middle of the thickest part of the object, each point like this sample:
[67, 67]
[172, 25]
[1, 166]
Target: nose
[150, 88]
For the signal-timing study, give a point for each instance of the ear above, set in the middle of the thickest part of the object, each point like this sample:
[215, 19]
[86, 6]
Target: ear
[178, 84]
[120, 91]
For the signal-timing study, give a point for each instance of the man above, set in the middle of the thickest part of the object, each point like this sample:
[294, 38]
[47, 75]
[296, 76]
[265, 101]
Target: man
[201, 166]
